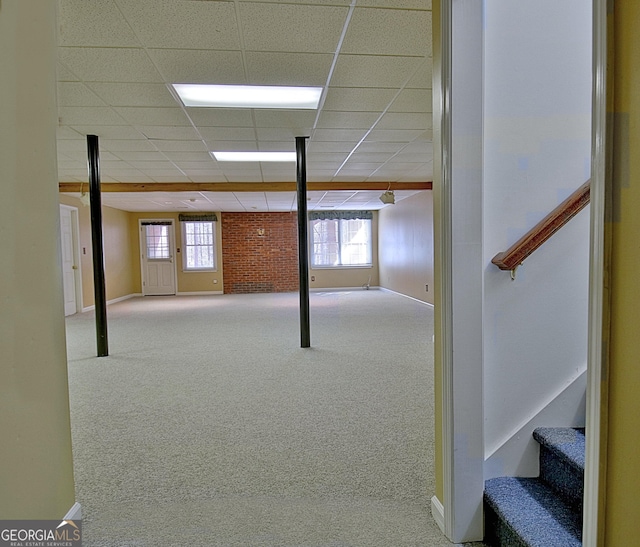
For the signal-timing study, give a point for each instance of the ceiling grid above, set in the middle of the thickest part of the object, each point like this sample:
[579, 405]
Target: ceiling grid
[117, 59]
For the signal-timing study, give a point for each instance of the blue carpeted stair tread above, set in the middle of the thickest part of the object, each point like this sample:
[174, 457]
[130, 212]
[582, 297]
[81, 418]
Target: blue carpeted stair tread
[533, 513]
[566, 443]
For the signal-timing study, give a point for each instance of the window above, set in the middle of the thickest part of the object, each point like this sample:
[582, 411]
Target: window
[158, 242]
[340, 242]
[198, 245]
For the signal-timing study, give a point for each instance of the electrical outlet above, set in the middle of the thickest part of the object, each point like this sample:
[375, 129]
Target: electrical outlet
[426, 288]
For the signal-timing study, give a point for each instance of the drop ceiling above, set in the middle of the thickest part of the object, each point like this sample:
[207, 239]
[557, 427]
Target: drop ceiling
[374, 125]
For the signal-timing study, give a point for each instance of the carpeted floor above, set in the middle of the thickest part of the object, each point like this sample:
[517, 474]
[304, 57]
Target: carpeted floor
[208, 425]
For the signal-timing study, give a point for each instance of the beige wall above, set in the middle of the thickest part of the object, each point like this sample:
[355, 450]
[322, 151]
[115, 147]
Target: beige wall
[186, 281]
[328, 278]
[119, 252]
[36, 475]
[622, 471]
[405, 255]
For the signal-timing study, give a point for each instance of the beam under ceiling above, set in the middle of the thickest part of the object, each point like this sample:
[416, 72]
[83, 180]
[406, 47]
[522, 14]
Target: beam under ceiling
[79, 187]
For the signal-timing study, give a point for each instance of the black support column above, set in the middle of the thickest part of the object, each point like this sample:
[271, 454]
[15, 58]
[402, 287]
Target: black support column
[303, 241]
[96, 239]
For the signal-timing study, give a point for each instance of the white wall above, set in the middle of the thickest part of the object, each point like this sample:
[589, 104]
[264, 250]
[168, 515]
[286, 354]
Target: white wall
[537, 112]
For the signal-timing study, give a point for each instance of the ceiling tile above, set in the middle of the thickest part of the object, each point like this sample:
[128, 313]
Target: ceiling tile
[338, 134]
[405, 120]
[66, 133]
[393, 135]
[133, 155]
[293, 28]
[82, 23]
[189, 156]
[231, 146]
[397, 4]
[92, 64]
[94, 115]
[296, 69]
[65, 75]
[282, 134]
[324, 147]
[423, 78]
[330, 119]
[220, 117]
[389, 32]
[199, 66]
[186, 25]
[284, 118]
[374, 71]
[375, 147]
[77, 94]
[177, 146]
[413, 100]
[277, 146]
[228, 133]
[358, 99]
[137, 115]
[132, 94]
[118, 132]
[169, 132]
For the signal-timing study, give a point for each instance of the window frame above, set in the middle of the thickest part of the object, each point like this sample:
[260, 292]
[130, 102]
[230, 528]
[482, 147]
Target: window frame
[183, 232]
[312, 254]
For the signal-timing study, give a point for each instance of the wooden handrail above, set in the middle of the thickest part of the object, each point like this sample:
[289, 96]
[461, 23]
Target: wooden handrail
[549, 225]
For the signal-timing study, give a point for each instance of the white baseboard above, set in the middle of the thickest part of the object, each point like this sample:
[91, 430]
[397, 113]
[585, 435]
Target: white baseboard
[406, 296]
[113, 301]
[199, 293]
[341, 289]
[75, 513]
[437, 512]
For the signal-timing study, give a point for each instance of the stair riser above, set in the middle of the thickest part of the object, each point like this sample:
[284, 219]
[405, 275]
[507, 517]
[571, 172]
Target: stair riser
[565, 479]
[497, 533]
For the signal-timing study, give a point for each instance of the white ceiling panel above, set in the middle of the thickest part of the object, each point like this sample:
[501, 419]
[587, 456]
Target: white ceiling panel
[182, 146]
[228, 133]
[358, 99]
[220, 117]
[350, 120]
[312, 28]
[374, 70]
[405, 120]
[168, 132]
[93, 115]
[90, 24]
[137, 115]
[77, 94]
[133, 94]
[413, 100]
[109, 64]
[199, 66]
[168, 24]
[397, 4]
[295, 69]
[389, 32]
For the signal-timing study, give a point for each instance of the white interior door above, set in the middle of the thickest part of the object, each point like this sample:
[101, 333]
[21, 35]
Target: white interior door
[157, 257]
[69, 266]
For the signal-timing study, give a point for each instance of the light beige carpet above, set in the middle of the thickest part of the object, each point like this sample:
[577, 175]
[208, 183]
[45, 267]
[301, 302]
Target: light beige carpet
[208, 425]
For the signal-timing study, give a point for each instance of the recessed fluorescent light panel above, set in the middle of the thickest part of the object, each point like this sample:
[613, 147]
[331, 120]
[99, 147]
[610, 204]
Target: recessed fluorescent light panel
[255, 156]
[248, 96]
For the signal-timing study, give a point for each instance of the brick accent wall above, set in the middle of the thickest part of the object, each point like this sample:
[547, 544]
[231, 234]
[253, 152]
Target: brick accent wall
[260, 252]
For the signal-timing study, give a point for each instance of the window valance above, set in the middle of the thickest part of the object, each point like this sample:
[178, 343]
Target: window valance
[197, 217]
[156, 222]
[340, 215]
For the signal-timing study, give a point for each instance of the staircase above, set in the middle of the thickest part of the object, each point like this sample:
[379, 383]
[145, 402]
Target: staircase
[544, 511]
